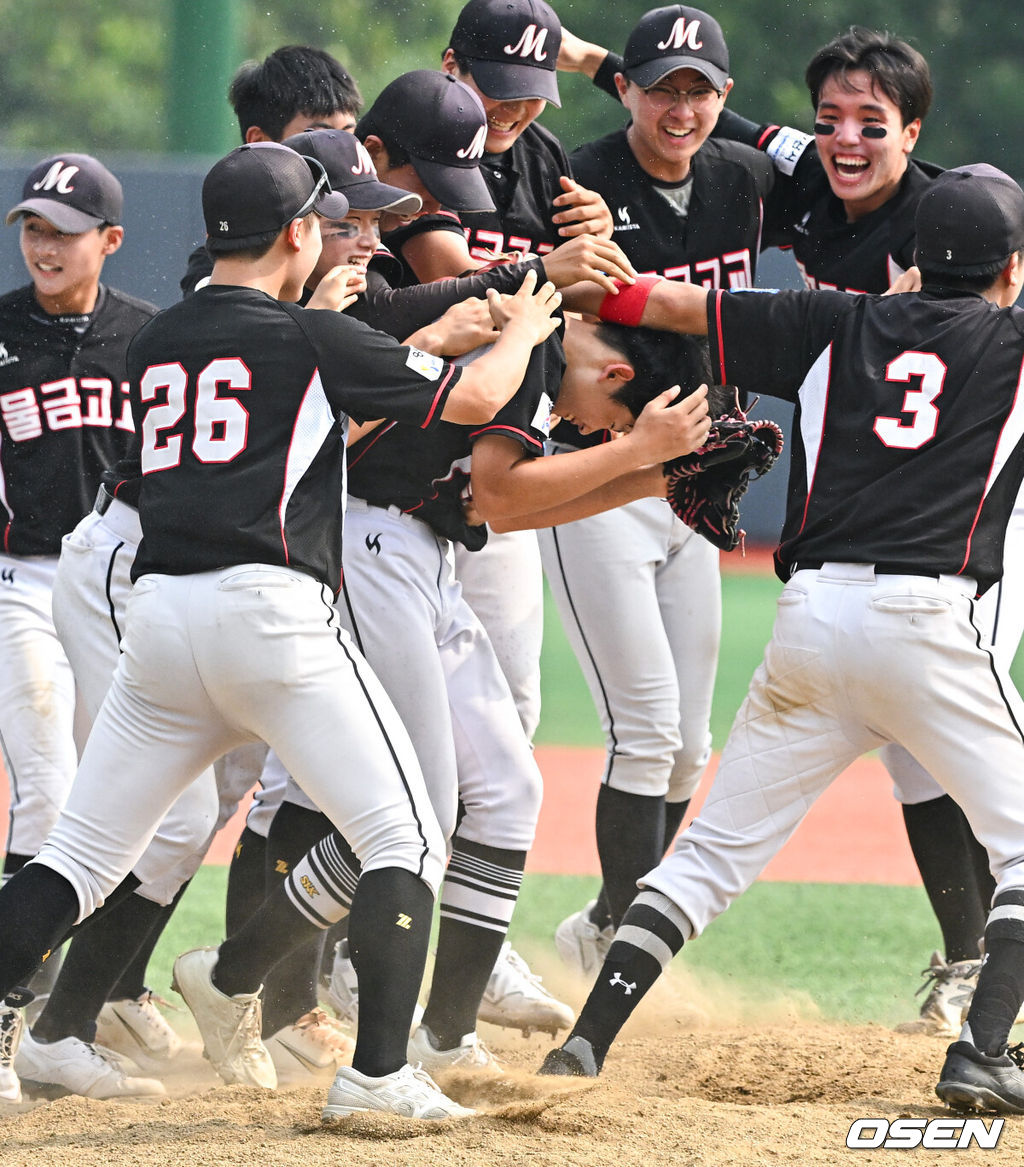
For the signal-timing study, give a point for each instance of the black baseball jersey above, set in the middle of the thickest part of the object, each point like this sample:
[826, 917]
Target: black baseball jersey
[64, 412]
[523, 182]
[242, 420]
[423, 474]
[907, 441]
[716, 244]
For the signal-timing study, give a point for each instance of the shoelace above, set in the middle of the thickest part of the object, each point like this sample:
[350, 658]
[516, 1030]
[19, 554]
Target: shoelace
[316, 1024]
[522, 968]
[248, 1034]
[415, 1070]
[476, 1054]
[1016, 1054]
[10, 1027]
[107, 1058]
[934, 977]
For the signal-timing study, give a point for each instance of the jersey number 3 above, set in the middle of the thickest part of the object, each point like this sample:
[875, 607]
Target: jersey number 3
[918, 402]
[220, 424]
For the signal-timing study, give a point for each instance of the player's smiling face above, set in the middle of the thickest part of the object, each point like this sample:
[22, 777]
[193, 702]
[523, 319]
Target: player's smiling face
[65, 269]
[506, 120]
[862, 142]
[351, 240]
[671, 120]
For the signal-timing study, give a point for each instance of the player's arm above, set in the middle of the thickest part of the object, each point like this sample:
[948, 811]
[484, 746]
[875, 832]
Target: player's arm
[464, 327]
[435, 255]
[489, 382]
[510, 483]
[670, 305]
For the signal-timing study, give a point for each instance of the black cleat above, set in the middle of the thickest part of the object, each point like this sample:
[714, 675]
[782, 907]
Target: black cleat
[972, 1080]
[575, 1059]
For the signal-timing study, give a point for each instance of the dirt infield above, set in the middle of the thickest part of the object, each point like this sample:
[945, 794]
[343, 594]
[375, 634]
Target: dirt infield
[783, 1093]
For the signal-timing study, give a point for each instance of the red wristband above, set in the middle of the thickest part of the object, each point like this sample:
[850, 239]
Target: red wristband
[628, 306]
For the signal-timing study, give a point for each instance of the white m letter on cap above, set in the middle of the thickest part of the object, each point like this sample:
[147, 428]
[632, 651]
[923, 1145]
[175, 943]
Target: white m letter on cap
[530, 44]
[58, 177]
[365, 163]
[683, 34]
[476, 148]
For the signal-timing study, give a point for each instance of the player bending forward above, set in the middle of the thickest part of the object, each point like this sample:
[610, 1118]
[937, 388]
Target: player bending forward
[231, 633]
[896, 398]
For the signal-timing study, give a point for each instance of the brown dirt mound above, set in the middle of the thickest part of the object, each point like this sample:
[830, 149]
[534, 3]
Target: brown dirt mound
[781, 1094]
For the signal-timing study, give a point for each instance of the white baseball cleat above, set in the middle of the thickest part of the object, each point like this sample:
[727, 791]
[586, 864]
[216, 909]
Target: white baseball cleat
[582, 944]
[12, 1026]
[136, 1028]
[409, 1092]
[515, 998]
[342, 988]
[72, 1066]
[229, 1026]
[470, 1053]
[950, 988]
[314, 1048]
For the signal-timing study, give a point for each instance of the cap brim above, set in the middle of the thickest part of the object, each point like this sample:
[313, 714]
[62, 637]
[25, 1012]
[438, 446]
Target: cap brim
[505, 82]
[459, 188]
[332, 206]
[378, 196]
[649, 73]
[61, 216]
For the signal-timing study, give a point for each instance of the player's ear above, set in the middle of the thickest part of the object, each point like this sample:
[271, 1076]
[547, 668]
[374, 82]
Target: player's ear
[448, 64]
[256, 134]
[910, 133]
[295, 233]
[378, 154]
[621, 84]
[728, 87]
[618, 371]
[113, 237]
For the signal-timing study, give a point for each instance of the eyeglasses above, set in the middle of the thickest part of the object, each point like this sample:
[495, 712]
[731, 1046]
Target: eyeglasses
[697, 97]
[323, 186]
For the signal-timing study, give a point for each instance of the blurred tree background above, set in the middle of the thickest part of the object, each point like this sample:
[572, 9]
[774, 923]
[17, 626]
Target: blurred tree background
[98, 75]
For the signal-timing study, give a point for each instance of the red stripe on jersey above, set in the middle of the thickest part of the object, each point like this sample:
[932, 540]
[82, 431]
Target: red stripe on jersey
[767, 134]
[437, 397]
[508, 429]
[718, 332]
[1012, 423]
[371, 440]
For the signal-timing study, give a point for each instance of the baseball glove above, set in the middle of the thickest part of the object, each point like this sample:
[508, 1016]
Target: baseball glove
[704, 488]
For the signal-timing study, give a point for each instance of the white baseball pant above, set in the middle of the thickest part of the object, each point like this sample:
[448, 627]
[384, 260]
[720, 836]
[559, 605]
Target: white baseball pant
[856, 661]
[215, 660]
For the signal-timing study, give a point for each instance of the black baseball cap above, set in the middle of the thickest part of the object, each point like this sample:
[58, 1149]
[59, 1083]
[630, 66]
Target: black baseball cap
[968, 219]
[676, 37]
[259, 188]
[350, 170]
[441, 125]
[74, 192]
[512, 46]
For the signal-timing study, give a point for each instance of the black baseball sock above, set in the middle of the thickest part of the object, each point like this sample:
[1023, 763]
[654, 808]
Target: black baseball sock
[477, 899]
[132, 982]
[651, 933]
[247, 886]
[630, 842]
[938, 833]
[37, 908]
[1000, 992]
[388, 932]
[92, 966]
[290, 988]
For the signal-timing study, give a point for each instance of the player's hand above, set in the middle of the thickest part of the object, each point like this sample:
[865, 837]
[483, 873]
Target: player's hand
[910, 281]
[588, 259]
[339, 288]
[586, 212]
[579, 56]
[469, 512]
[530, 309]
[668, 428]
[465, 327]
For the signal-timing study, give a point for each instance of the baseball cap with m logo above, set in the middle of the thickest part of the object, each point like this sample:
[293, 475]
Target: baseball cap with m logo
[74, 192]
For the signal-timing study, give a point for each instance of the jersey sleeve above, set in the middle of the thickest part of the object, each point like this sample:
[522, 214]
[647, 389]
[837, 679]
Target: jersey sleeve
[766, 342]
[526, 418]
[368, 375]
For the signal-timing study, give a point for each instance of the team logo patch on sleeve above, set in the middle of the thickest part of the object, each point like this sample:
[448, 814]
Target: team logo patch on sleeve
[423, 363]
[542, 418]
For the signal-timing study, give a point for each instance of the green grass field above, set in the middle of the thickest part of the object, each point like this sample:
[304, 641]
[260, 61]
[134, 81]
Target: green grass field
[852, 953]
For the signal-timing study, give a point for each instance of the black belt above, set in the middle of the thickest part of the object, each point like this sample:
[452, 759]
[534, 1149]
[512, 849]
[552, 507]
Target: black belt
[879, 568]
[103, 500]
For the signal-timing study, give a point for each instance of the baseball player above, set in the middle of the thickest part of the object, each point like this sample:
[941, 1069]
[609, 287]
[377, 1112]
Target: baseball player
[846, 203]
[235, 381]
[909, 461]
[691, 208]
[407, 506]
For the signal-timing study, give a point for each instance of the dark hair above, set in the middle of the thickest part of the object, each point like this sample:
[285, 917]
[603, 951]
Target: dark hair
[293, 80]
[976, 282]
[659, 360]
[463, 63]
[897, 68]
